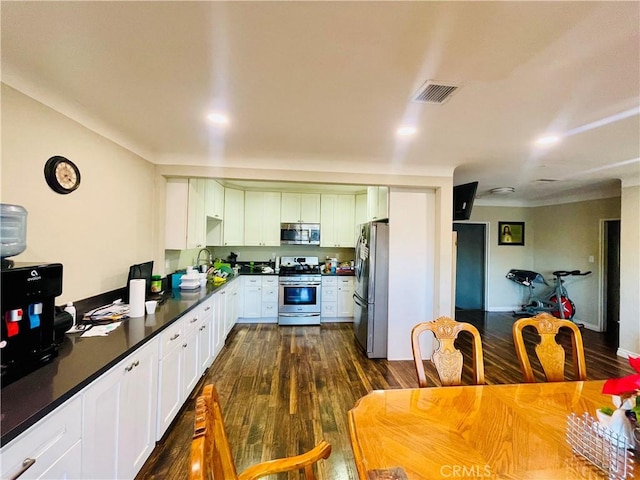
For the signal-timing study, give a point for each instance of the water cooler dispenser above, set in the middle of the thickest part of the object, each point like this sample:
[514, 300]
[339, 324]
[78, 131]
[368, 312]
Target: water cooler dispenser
[28, 336]
[28, 312]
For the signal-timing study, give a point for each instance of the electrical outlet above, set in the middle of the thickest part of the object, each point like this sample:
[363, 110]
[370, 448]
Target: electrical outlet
[591, 259]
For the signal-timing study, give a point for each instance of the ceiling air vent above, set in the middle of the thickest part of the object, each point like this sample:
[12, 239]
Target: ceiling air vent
[434, 92]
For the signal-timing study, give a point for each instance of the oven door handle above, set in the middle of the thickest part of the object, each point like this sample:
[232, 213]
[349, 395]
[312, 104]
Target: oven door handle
[304, 284]
[299, 314]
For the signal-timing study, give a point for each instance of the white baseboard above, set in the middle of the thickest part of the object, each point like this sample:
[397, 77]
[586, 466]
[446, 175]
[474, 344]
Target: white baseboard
[514, 308]
[258, 320]
[337, 320]
[626, 353]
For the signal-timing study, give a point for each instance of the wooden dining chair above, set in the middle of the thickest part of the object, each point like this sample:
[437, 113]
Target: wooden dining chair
[211, 454]
[549, 352]
[447, 359]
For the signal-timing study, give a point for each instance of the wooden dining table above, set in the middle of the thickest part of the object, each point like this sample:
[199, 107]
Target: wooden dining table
[489, 431]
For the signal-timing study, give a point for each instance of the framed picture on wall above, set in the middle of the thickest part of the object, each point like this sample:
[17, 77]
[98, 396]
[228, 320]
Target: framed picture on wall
[510, 233]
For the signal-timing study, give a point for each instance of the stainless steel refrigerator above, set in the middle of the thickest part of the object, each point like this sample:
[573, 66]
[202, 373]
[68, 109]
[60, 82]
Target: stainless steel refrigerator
[370, 321]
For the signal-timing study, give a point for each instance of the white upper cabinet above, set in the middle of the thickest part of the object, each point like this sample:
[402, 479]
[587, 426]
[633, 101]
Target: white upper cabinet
[337, 221]
[377, 203]
[214, 199]
[233, 217]
[185, 216]
[300, 208]
[262, 218]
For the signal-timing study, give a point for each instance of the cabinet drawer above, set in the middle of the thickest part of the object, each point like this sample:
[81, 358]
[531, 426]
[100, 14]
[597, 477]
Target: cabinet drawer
[269, 310]
[191, 320]
[345, 282]
[329, 309]
[252, 280]
[329, 294]
[269, 281]
[329, 281]
[171, 338]
[47, 443]
[270, 294]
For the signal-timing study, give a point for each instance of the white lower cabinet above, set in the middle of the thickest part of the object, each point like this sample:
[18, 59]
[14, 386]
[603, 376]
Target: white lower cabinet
[260, 297]
[191, 373]
[217, 325]
[345, 297]
[205, 337]
[170, 373]
[252, 295]
[179, 366]
[337, 298]
[50, 449]
[231, 308]
[119, 417]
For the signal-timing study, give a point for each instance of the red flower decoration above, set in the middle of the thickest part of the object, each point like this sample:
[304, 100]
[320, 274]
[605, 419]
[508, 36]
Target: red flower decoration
[624, 386]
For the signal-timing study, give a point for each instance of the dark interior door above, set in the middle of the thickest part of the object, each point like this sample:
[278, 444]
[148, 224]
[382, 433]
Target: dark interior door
[612, 281]
[470, 266]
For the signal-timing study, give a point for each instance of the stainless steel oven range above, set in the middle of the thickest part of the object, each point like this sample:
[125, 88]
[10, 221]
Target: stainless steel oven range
[300, 291]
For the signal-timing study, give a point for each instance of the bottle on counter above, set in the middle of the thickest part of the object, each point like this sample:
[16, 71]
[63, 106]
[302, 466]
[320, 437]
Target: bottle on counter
[71, 310]
[156, 284]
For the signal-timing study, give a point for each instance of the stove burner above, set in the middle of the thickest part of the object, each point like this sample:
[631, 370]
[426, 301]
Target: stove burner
[299, 266]
[300, 270]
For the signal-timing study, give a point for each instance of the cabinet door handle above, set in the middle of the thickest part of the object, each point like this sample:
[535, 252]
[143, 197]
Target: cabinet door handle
[131, 367]
[174, 337]
[184, 345]
[207, 309]
[194, 319]
[203, 327]
[26, 465]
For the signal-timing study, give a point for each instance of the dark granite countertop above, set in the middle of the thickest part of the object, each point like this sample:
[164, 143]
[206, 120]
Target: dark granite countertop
[81, 360]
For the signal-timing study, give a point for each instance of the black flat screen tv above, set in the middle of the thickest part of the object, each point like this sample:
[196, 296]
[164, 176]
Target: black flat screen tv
[463, 197]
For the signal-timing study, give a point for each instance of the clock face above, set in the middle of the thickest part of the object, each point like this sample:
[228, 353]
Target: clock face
[62, 175]
[66, 175]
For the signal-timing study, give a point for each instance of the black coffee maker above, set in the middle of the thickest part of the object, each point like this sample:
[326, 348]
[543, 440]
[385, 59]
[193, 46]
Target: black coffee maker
[28, 312]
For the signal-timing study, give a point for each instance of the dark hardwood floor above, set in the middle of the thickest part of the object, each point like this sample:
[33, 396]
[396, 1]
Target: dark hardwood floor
[285, 388]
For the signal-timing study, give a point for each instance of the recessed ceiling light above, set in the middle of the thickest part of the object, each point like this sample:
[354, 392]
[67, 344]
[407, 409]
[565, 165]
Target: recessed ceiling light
[547, 140]
[218, 118]
[502, 190]
[406, 131]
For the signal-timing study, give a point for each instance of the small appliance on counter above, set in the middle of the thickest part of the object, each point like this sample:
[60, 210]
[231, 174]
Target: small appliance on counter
[28, 318]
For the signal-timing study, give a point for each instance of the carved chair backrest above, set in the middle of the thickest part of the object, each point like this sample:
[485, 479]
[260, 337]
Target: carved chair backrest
[447, 359]
[549, 352]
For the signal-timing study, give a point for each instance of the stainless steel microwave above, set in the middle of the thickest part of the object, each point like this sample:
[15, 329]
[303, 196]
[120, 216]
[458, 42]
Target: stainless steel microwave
[299, 234]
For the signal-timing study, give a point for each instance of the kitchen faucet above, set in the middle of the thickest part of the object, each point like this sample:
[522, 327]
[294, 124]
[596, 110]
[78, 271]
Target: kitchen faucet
[208, 260]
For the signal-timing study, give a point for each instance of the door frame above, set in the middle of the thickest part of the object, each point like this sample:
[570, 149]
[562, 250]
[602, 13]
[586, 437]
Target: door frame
[486, 266]
[602, 317]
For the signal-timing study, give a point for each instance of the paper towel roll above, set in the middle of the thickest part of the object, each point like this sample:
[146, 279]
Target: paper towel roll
[137, 289]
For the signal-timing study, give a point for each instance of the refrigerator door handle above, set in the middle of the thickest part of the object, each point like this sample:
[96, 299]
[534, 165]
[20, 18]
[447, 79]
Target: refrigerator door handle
[359, 301]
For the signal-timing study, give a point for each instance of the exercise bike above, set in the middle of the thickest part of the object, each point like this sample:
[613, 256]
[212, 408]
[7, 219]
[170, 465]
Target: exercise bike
[556, 302]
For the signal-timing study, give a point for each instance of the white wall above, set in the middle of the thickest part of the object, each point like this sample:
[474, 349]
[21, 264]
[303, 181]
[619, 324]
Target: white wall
[412, 263]
[566, 236]
[504, 294]
[97, 231]
[630, 271]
